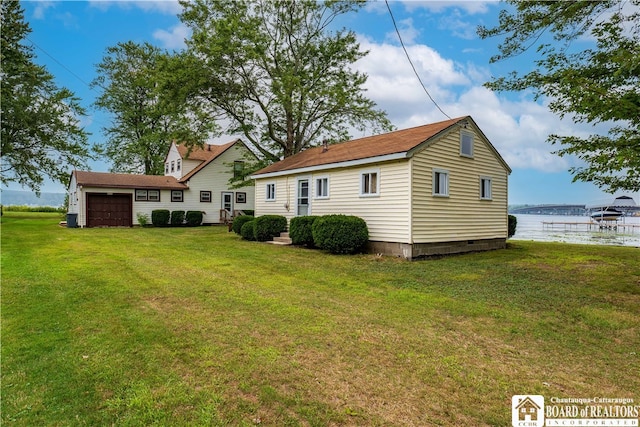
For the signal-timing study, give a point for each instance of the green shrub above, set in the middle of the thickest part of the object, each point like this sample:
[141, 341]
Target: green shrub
[300, 230]
[513, 223]
[160, 217]
[143, 219]
[248, 230]
[269, 226]
[340, 234]
[177, 217]
[194, 218]
[239, 221]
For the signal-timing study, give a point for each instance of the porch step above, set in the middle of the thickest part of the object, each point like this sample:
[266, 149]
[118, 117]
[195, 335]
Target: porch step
[284, 239]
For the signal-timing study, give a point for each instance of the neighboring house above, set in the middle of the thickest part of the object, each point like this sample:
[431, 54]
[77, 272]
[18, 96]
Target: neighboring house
[434, 189]
[196, 179]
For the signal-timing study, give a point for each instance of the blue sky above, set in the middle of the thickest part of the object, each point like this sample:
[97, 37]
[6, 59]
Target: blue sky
[71, 37]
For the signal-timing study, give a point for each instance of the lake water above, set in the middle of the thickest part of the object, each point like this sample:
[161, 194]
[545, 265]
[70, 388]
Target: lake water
[530, 227]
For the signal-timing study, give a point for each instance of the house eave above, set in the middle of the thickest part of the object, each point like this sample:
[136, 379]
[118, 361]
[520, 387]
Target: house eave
[346, 164]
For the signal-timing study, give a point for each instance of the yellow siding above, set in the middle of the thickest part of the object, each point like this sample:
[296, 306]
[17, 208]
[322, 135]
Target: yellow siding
[462, 215]
[387, 215]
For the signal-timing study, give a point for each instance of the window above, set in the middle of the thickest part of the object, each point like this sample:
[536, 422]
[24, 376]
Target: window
[466, 144]
[238, 169]
[485, 188]
[166, 168]
[205, 196]
[241, 197]
[147, 195]
[270, 192]
[176, 195]
[369, 184]
[440, 183]
[173, 166]
[322, 188]
[178, 164]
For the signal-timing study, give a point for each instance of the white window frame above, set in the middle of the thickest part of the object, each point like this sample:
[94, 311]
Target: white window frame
[177, 196]
[178, 165]
[470, 135]
[363, 180]
[266, 192]
[147, 195]
[173, 166]
[205, 196]
[436, 191]
[316, 188]
[483, 195]
[166, 168]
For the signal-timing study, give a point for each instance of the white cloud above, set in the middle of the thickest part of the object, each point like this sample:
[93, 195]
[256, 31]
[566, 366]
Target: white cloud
[174, 38]
[407, 31]
[169, 7]
[41, 7]
[471, 7]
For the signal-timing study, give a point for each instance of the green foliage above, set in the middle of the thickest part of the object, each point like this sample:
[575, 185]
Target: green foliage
[340, 234]
[248, 230]
[24, 208]
[300, 230]
[177, 217]
[269, 226]
[239, 221]
[160, 217]
[40, 130]
[194, 218]
[513, 223]
[297, 85]
[137, 83]
[591, 85]
[143, 219]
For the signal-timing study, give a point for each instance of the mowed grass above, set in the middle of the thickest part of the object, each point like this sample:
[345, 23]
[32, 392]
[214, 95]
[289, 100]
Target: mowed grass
[193, 326]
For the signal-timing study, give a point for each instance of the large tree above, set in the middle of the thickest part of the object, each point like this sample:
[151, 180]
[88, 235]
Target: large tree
[40, 132]
[600, 84]
[278, 74]
[142, 89]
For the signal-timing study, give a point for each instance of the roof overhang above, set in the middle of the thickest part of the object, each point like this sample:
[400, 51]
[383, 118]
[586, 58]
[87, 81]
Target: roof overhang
[337, 165]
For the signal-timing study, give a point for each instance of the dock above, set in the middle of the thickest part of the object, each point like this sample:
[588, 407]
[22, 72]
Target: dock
[616, 226]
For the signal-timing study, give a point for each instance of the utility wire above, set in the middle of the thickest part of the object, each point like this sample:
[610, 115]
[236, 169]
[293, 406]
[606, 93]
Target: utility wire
[411, 62]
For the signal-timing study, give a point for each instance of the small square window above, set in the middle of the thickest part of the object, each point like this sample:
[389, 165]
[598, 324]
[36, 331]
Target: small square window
[466, 144]
[270, 192]
[241, 197]
[205, 196]
[322, 188]
[440, 183]
[176, 195]
[485, 188]
[369, 184]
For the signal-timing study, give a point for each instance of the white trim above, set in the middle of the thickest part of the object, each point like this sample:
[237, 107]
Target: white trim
[433, 182]
[315, 187]
[350, 163]
[309, 190]
[266, 192]
[369, 172]
[472, 135]
[480, 180]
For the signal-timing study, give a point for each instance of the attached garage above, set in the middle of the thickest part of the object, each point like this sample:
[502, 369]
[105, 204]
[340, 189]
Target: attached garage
[109, 210]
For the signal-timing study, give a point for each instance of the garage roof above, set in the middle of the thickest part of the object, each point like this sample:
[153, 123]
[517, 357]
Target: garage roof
[118, 180]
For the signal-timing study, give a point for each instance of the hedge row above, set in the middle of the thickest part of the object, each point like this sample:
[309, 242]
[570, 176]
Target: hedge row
[164, 217]
[338, 234]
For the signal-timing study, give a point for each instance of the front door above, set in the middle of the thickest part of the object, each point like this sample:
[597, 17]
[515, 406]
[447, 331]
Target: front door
[303, 197]
[227, 202]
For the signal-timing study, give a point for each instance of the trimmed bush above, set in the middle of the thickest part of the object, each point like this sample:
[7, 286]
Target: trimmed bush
[194, 218]
[513, 223]
[340, 234]
[239, 221]
[177, 217]
[300, 230]
[248, 230]
[269, 226]
[160, 217]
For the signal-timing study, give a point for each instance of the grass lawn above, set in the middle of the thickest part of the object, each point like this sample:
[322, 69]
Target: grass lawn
[193, 326]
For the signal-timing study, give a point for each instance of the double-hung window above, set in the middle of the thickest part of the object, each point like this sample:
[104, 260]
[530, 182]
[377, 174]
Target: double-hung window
[147, 195]
[322, 188]
[270, 192]
[176, 196]
[485, 188]
[466, 144]
[440, 183]
[370, 183]
[205, 196]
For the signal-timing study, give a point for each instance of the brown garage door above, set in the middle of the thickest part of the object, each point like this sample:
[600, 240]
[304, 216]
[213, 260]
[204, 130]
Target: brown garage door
[109, 210]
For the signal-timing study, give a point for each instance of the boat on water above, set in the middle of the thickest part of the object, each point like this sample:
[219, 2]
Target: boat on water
[608, 214]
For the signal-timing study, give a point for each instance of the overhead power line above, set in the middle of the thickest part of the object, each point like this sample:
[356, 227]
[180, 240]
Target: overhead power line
[411, 62]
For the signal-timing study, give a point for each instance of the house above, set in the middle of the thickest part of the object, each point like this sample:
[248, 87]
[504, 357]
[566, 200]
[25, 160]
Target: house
[434, 189]
[527, 410]
[196, 179]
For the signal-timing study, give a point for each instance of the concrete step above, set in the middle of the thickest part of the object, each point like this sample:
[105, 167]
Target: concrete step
[283, 239]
